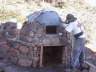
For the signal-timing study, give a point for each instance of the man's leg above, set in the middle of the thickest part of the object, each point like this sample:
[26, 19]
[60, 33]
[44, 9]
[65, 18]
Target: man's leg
[76, 53]
[81, 58]
[82, 55]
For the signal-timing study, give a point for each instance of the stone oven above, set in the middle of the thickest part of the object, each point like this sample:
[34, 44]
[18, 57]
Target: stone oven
[41, 42]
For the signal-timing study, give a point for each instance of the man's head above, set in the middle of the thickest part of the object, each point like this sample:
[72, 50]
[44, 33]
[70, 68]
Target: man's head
[70, 18]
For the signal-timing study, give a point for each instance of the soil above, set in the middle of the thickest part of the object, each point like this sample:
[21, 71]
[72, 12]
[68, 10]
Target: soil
[6, 66]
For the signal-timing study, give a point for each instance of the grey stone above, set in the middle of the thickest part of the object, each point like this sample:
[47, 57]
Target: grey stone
[25, 62]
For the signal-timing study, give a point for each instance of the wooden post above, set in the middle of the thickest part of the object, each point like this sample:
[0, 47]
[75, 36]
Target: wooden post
[41, 57]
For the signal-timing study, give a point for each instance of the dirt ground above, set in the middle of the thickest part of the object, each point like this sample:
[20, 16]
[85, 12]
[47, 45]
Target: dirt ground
[5, 66]
[8, 67]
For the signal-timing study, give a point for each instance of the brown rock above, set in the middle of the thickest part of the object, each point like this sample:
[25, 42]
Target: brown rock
[25, 62]
[36, 61]
[24, 49]
[31, 34]
[14, 59]
[16, 45]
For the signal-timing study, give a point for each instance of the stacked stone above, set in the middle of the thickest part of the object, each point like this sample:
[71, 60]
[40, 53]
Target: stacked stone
[67, 49]
[3, 48]
[24, 54]
[32, 33]
[26, 51]
[35, 33]
[9, 29]
[67, 53]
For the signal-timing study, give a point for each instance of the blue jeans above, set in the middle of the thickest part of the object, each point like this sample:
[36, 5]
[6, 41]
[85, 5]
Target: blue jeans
[78, 51]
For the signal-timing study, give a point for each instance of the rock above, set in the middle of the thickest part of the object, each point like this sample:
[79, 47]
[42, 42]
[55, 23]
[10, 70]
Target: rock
[3, 49]
[13, 52]
[25, 62]
[16, 45]
[14, 59]
[31, 34]
[24, 49]
[10, 69]
[9, 29]
[35, 62]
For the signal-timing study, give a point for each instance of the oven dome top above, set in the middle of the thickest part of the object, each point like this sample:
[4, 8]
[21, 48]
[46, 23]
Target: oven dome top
[46, 17]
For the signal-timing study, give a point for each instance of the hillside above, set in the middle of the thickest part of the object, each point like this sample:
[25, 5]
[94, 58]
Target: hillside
[86, 13]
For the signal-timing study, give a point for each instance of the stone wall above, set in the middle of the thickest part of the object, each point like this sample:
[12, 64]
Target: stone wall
[27, 49]
[24, 54]
[35, 33]
[32, 33]
[3, 48]
[8, 29]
